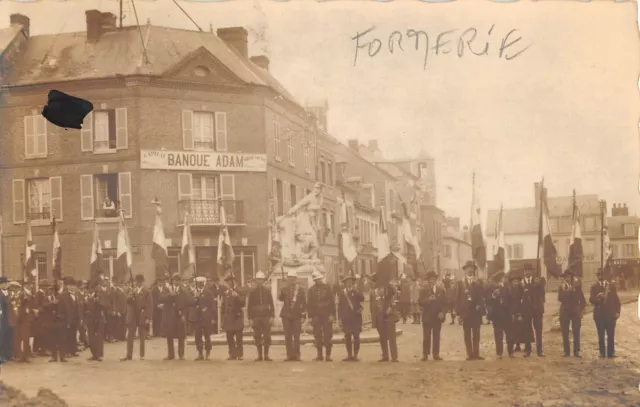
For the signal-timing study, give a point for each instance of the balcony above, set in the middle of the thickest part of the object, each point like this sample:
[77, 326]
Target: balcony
[40, 218]
[207, 212]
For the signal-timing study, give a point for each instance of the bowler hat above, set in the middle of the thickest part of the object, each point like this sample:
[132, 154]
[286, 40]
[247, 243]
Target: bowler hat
[432, 274]
[349, 277]
[139, 278]
[528, 267]
[567, 273]
[175, 276]
[469, 265]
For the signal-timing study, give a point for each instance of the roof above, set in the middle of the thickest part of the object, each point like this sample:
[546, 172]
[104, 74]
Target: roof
[7, 35]
[121, 53]
[454, 234]
[515, 221]
[616, 226]
[563, 205]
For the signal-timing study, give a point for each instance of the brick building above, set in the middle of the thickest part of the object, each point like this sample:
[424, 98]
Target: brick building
[189, 118]
[623, 232]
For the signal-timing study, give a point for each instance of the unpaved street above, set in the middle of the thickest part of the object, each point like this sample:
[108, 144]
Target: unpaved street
[552, 381]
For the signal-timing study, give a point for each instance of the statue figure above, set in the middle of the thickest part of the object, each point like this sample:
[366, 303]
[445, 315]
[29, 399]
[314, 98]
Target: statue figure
[300, 226]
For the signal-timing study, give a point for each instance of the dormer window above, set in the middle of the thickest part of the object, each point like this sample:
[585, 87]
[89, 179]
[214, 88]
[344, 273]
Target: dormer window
[629, 230]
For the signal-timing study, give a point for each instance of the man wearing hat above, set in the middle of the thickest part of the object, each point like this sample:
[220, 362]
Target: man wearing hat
[233, 301]
[606, 311]
[82, 327]
[471, 308]
[156, 323]
[60, 307]
[261, 311]
[433, 301]
[350, 300]
[200, 316]
[95, 318]
[515, 327]
[120, 312]
[321, 308]
[572, 304]
[498, 311]
[42, 322]
[449, 284]
[293, 313]
[174, 305]
[24, 323]
[138, 315]
[533, 299]
[6, 324]
[70, 298]
[385, 316]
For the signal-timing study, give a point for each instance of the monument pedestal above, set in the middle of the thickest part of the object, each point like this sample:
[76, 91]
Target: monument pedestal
[303, 270]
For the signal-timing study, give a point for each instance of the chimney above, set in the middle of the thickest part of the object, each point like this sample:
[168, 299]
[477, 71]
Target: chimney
[236, 37]
[353, 144]
[619, 210]
[373, 145]
[99, 23]
[21, 20]
[262, 61]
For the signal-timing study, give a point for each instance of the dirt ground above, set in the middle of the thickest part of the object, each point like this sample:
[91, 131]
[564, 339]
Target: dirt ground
[552, 381]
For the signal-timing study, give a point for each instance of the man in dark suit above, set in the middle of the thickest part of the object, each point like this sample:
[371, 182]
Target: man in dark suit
[606, 303]
[96, 318]
[385, 316]
[138, 315]
[70, 296]
[533, 299]
[60, 307]
[200, 315]
[572, 303]
[433, 301]
[173, 300]
[350, 300]
[321, 309]
[470, 308]
[233, 302]
[156, 323]
[6, 324]
[498, 311]
[261, 311]
[293, 314]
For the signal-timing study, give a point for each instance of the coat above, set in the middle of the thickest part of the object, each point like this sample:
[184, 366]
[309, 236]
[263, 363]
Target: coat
[383, 303]
[202, 306]
[139, 308]
[6, 329]
[572, 301]
[232, 312]
[260, 303]
[295, 302]
[519, 330]
[469, 302]
[95, 310]
[432, 304]
[321, 301]
[607, 305]
[174, 307]
[497, 307]
[350, 310]
[533, 297]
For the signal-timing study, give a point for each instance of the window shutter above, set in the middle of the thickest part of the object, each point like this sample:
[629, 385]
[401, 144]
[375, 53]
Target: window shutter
[55, 186]
[221, 131]
[29, 136]
[274, 194]
[124, 193]
[187, 129]
[227, 187]
[41, 135]
[86, 134]
[86, 197]
[286, 196]
[19, 207]
[184, 187]
[122, 134]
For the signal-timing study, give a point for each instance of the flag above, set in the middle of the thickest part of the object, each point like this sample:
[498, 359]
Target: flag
[549, 251]
[187, 252]
[346, 246]
[57, 252]
[96, 256]
[607, 252]
[478, 249]
[384, 249]
[500, 260]
[123, 253]
[30, 267]
[225, 250]
[159, 245]
[411, 240]
[273, 240]
[575, 249]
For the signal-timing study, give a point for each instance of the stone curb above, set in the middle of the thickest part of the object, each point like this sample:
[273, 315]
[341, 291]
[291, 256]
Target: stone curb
[278, 340]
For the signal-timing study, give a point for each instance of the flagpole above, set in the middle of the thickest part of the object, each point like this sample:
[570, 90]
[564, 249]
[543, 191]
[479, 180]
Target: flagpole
[540, 231]
[603, 205]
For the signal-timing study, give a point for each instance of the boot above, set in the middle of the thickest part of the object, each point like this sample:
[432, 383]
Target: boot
[200, 357]
[319, 358]
[259, 358]
[328, 358]
[266, 354]
[207, 354]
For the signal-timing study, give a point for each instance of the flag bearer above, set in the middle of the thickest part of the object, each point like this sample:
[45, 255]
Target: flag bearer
[293, 314]
[200, 315]
[321, 308]
[572, 304]
[261, 311]
[433, 301]
[350, 300]
[138, 315]
[174, 303]
[604, 297]
[233, 318]
[470, 308]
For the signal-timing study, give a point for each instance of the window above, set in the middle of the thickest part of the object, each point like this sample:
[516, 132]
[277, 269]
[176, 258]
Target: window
[41, 264]
[554, 224]
[447, 252]
[244, 266]
[104, 131]
[590, 248]
[35, 137]
[173, 258]
[629, 230]
[323, 175]
[37, 200]
[330, 173]
[614, 250]
[630, 250]
[280, 197]
[276, 140]
[102, 195]
[368, 189]
[515, 251]
[200, 195]
[293, 194]
[307, 158]
[204, 130]
[290, 149]
[108, 262]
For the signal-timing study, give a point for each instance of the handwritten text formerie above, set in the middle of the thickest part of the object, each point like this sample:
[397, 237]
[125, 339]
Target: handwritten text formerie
[461, 42]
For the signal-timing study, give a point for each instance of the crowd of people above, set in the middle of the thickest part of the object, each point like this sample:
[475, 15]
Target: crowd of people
[66, 316]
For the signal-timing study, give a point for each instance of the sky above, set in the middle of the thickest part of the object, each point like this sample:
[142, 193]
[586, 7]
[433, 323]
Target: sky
[566, 108]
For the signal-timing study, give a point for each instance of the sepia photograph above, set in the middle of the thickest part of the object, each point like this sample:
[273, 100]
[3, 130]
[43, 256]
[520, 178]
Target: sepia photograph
[319, 203]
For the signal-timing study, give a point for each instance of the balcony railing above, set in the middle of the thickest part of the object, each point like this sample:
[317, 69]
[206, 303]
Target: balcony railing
[38, 218]
[207, 212]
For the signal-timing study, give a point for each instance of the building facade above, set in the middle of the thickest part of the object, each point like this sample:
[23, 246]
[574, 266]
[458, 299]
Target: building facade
[623, 233]
[201, 125]
[456, 248]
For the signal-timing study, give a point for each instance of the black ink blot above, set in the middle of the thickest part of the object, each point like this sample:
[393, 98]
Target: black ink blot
[65, 110]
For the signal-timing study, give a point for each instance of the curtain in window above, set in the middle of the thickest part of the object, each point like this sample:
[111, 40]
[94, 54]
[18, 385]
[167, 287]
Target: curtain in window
[39, 199]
